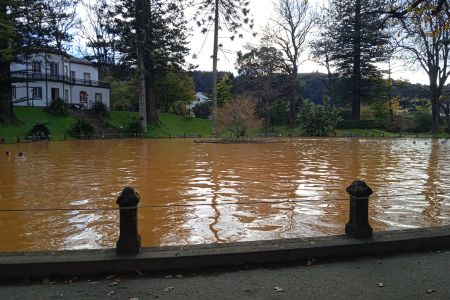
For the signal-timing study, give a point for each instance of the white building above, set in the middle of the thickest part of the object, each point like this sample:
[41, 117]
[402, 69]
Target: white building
[201, 97]
[51, 75]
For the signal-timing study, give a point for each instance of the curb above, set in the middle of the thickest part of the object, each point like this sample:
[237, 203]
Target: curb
[85, 262]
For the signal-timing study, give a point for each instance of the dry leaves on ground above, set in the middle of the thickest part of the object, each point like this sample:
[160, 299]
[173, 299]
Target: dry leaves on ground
[168, 289]
[111, 293]
[139, 273]
[111, 277]
[168, 277]
[70, 281]
[47, 281]
[113, 283]
[310, 262]
[380, 284]
[179, 276]
[278, 289]
[430, 291]
[133, 299]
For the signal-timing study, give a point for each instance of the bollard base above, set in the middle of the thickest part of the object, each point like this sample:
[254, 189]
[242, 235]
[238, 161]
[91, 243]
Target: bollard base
[129, 247]
[359, 233]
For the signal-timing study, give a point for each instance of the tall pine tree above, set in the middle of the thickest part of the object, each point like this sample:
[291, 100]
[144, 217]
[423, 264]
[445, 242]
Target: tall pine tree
[358, 44]
[158, 29]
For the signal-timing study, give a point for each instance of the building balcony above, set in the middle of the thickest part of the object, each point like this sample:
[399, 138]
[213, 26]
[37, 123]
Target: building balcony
[60, 78]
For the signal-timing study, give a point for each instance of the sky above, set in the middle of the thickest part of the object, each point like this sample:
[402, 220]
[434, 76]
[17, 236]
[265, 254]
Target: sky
[261, 11]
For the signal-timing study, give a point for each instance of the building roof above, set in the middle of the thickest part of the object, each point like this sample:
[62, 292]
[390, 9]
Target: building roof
[76, 60]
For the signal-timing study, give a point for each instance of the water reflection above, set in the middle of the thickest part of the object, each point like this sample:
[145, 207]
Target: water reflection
[90, 174]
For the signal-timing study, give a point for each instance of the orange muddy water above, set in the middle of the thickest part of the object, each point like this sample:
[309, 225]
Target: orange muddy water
[91, 174]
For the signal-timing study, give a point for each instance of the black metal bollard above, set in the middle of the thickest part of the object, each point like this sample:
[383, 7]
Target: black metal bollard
[65, 137]
[199, 135]
[18, 139]
[129, 240]
[170, 135]
[358, 225]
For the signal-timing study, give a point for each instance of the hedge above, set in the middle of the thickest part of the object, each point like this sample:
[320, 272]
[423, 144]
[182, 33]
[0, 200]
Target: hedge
[358, 124]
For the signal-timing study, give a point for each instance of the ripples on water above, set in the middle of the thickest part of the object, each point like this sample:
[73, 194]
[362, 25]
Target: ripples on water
[91, 174]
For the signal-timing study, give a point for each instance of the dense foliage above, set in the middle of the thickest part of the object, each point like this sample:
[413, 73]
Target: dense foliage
[82, 128]
[99, 108]
[317, 120]
[58, 107]
[203, 109]
[40, 127]
[135, 126]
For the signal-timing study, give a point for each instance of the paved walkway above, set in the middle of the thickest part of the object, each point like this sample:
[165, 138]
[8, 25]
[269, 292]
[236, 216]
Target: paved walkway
[419, 275]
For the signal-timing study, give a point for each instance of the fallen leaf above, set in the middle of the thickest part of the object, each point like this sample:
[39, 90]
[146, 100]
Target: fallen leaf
[430, 291]
[113, 283]
[179, 276]
[168, 277]
[111, 293]
[118, 278]
[47, 281]
[70, 281]
[312, 243]
[380, 284]
[133, 299]
[168, 289]
[310, 262]
[139, 273]
[278, 289]
[111, 277]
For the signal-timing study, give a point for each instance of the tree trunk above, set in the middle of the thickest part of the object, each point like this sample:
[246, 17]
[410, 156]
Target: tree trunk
[214, 79]
[356, 101]
[141, 70]
[6, 104]
[434, 97]
[292, 108]
[152, 112]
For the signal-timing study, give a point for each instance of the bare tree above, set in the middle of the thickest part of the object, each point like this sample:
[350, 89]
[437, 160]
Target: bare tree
[238, 116]
[262, 77]
[288, 31]
[427, 46]
[98, 28]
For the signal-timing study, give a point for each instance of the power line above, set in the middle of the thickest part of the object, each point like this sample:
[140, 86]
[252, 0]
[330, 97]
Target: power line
[217, 204]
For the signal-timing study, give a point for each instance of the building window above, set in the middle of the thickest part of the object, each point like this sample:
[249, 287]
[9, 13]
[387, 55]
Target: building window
[66, 70]
[13, 91]
[98, 97]
[66, 95]
[36, 67]
[72, 74]
[54, 93]
[36, 92]
[53, 69]
[83, 97]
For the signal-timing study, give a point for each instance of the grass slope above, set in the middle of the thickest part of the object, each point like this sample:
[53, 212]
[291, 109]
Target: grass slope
[170, 123]
[29, 116]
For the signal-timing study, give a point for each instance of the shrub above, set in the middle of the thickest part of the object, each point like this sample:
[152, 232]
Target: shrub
[82, 127]
[202, 110]
[423, 120]
[358, 124]
[99, 109]
[402, 122]
[58, 107]
[317, 120]
[135, 126]
[236, 140]
[40, 127]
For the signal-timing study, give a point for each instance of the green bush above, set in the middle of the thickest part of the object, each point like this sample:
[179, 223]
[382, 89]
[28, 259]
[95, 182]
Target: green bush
[358, 124]
[236, 140]
[58, 107]
[82, 127]
[40, 127]
[99, 109]
[423, 120]
[202, 110]
[135, 126]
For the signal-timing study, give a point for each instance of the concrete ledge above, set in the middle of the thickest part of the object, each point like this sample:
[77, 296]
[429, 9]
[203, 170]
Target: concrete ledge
[83, 262]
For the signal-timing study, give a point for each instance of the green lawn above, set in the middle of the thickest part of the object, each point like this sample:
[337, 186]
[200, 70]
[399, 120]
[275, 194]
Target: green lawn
[29, 116]
[170, 123]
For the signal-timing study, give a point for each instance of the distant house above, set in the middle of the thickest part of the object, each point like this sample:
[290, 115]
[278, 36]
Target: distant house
[54, 74]
[201, 97]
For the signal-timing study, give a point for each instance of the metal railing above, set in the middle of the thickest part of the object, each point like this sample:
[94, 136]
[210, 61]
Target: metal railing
[63, 78]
